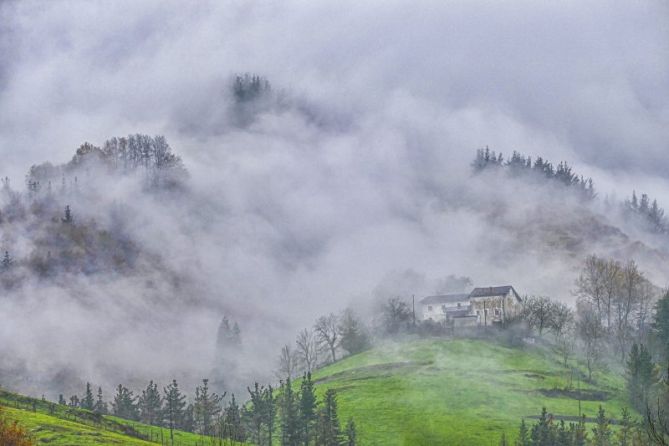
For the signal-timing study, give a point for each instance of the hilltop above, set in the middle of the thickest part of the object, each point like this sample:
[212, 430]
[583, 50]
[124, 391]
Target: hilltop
[465, 392]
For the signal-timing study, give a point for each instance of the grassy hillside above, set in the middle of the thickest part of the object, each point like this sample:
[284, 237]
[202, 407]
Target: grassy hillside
[49, 423]
[464, 392]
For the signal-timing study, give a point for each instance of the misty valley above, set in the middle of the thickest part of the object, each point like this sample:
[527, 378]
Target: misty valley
[320, 224]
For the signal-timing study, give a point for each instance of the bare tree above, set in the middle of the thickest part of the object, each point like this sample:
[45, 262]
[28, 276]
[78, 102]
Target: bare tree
[287, 362]
[327, 334]
[625, 303]
[307, 349]
[590, 284]
[590, 332]
[561, 317]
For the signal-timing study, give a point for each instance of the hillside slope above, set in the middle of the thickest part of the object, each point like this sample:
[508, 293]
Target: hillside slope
[50, 423]
[464, 392]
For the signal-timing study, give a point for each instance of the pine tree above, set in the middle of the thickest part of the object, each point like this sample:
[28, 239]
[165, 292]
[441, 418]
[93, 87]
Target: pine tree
[625, 433]
[88, 402]
[74, 401]
[150, 405]
[289, 407]
[100, 405]
[602, 432]
[307, 408]
[68, 215]
[269, 404]
[661, 323]
[255, 411]
[523, 435]
[61, 400]
[173, 413]
[233, 428]
[581, 434]
[6, 261]
[207, 407]
[328, 421]
[124, 404]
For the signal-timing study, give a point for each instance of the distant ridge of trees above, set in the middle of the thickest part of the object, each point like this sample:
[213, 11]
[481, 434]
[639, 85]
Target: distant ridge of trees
[650, 214]
[521, 165]
[150, 156]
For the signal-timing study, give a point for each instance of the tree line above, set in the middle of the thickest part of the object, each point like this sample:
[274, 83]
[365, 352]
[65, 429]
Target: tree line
[520, 165]
[294, 417]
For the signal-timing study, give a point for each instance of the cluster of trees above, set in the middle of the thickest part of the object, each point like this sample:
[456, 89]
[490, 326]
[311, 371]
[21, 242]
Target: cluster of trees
[614, 304]
[519, 165]
[151, 156]
[293, 417]
[301, 418]
[331, 336]
[249, 87]
[650, 215]
[548, 431]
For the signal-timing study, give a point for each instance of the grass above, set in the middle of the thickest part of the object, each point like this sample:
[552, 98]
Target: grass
[457, 392]
[53, 424]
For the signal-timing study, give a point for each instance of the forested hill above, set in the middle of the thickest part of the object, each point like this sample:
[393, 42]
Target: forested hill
[61, 224]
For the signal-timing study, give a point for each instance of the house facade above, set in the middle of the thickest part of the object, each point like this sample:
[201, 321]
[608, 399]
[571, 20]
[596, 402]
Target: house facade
[485, 306]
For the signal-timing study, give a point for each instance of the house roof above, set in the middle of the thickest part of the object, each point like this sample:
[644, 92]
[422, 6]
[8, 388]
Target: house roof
[444, 299]
[494, 291]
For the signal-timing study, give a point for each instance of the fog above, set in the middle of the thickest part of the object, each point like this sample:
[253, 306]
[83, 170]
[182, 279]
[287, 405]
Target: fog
[353, 184]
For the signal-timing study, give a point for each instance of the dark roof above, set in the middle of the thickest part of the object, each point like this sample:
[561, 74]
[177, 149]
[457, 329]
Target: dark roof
[494, 291]
[445, 299]
[465, 312]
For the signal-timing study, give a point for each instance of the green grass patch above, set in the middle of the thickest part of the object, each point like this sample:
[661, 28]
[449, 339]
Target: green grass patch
[465, 392]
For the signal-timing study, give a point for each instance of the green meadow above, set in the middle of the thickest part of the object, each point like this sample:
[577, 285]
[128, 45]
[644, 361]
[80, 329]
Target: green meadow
[459, 392]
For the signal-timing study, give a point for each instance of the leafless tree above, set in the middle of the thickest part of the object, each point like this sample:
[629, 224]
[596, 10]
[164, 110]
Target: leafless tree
[561, 317]
[287, 362]
[327, 334]
[625, 303]
[307, 349]
[590, 332]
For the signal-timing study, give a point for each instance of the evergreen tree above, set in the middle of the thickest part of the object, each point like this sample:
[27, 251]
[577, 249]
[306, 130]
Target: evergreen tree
[68, 215]
[88, 401]
[232, 422]
[307, 408]
[542, 434]
[188, 422]
[61, 400]
[100, 405]
[74, 401]
[6, 261]
[625, 433]
[124, 404]
[523, 435]
[661, 324]
[328, 421]
[207, 407]
[581, 434]
[173, 413]
[150, 405]
[269, 404]
[289, 413]
[255, 412]
[602, 431]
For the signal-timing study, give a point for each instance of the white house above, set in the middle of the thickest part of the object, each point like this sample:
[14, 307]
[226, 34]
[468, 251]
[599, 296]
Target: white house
[483, 306]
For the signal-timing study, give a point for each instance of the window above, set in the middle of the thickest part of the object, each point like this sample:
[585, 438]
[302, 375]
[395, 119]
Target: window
[429, 308]
[497, 312]
[459, 304]
[443, 308]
